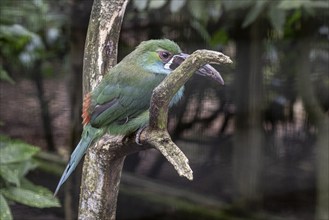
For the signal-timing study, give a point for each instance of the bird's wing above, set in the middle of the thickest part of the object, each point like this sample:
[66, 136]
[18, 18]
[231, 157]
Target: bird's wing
[118, 104]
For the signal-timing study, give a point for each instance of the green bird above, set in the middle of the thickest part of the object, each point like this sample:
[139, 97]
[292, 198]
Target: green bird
[119, 104]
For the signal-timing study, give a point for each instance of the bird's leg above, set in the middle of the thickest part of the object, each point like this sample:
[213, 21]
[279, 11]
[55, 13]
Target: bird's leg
[138, 135]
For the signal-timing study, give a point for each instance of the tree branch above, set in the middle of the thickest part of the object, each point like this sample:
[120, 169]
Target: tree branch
[101, 46]
[101, 168]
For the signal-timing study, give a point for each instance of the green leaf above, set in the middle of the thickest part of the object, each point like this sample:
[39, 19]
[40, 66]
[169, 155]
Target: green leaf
[254, 13]
[219, 37]
[5, 213]
[13, 31]
[176, 5]
[26, 184]
[12, 151]
[294, 18]
[13, 172]
[30, 198]
[157, 4]
[9, 174]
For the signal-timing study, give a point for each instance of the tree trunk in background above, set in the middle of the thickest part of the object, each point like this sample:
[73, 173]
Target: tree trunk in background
[44, 110]
[318, 118]
[322, 211]
[247, 154]
[80, 12]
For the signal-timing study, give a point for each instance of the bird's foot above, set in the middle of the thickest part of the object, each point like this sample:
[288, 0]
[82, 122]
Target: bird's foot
[138, 135]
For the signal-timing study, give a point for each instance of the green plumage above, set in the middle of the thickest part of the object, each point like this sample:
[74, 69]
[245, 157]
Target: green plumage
[128, 94]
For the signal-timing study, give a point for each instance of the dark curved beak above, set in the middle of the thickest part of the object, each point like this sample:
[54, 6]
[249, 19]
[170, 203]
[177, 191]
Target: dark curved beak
[207, 70]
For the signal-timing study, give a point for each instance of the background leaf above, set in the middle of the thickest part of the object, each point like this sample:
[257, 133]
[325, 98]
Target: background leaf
[30, 198]
[13, 172]
[219, 37]
[5, 213]
[12, 151]
[26, 184]
[9, 174]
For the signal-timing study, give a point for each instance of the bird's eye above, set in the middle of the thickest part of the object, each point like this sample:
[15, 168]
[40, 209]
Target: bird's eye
[164, 55]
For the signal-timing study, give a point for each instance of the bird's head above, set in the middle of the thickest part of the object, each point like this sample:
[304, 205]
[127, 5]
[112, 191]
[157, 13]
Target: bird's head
[164, 56]
[154, 54]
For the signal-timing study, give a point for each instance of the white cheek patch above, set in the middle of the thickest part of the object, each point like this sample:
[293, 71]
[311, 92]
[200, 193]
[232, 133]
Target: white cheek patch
[174, 62]
[168, 64]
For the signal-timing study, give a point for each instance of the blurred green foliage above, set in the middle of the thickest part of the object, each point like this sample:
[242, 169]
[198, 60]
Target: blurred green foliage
[16, 160]
[30, 33]
[280, 14]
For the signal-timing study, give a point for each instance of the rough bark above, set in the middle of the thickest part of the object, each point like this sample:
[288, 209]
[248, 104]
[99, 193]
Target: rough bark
[104, 160]
[102, 40]
[101, 171]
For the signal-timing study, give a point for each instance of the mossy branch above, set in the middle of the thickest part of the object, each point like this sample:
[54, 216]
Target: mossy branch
[101, 168]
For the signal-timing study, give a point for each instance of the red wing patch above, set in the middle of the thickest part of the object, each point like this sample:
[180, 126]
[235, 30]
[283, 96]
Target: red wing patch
[85, 109]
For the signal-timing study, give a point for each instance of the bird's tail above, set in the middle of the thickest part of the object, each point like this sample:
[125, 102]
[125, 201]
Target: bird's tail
[87, 137]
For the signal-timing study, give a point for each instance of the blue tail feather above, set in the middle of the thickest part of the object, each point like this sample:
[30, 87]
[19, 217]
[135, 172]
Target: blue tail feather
[86, 140]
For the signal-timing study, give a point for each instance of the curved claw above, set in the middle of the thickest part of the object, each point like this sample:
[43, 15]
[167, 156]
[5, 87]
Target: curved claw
[138, 135]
